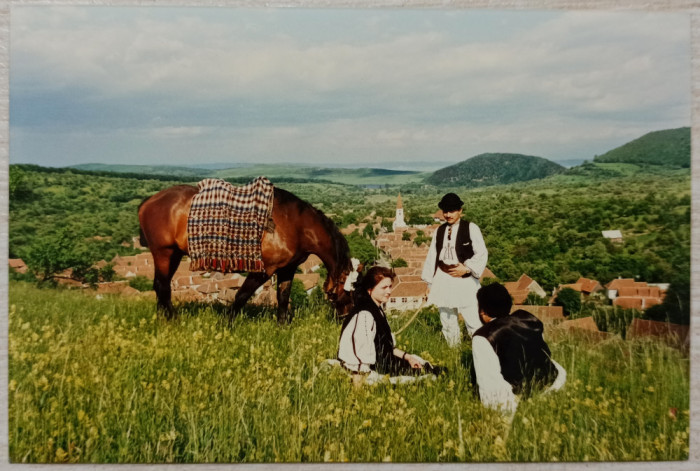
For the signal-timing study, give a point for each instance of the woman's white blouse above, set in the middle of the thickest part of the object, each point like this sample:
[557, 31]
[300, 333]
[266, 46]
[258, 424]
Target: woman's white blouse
[356, 349]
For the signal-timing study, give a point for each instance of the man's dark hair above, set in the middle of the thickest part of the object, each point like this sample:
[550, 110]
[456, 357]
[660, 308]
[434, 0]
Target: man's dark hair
[494, 300]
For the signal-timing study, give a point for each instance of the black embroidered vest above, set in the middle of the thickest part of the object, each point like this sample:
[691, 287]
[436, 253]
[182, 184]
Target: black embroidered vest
[383, 341]
[463, 242]
[522, 352]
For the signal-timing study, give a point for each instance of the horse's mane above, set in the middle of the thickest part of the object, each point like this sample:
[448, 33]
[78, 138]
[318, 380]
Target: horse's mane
[341, 250]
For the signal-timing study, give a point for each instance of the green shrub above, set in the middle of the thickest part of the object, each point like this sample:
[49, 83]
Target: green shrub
[570, 300]
[399, 262]
[614, 319]
[533, 299]
[141, 283]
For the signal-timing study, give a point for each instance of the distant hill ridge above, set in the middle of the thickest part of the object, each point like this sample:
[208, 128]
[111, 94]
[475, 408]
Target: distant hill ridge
[495, 169]
[667, 147]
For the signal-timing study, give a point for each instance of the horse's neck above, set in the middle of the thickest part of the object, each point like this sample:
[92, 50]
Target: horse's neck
[335, 266]
[332, 265]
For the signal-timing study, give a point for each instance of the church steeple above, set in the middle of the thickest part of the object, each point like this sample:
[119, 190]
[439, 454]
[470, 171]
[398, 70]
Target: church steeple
[398, 221]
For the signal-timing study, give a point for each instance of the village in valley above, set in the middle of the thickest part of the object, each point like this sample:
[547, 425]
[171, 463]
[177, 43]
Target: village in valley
[410, 292]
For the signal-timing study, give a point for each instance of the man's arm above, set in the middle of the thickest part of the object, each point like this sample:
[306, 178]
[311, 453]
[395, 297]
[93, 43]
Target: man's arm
[477, 263]
[494, 391]
[429, 264]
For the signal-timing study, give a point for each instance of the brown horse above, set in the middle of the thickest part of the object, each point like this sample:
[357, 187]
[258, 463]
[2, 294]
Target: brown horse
[299, 230]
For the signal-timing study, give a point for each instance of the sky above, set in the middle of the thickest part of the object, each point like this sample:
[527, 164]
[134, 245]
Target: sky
[390, 88]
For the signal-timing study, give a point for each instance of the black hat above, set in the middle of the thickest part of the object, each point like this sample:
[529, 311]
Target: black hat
[450, 202]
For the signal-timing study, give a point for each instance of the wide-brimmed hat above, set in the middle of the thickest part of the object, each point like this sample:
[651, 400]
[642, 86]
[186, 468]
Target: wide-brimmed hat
[450, 202]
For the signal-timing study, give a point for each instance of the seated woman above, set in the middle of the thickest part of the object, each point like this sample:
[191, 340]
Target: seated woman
[366, 342]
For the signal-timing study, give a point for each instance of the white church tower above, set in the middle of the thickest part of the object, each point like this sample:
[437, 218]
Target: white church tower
[398, 221]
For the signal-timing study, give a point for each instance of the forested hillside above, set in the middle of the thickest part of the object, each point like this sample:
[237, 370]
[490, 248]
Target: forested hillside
[549, 229]
[668, 147]
[494, 169]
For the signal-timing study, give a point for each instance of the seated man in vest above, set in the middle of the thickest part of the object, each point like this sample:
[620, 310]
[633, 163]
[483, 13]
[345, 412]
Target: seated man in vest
[455, 261]
[510, 355]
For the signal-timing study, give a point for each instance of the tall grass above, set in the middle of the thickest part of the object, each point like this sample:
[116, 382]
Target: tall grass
[106, 380]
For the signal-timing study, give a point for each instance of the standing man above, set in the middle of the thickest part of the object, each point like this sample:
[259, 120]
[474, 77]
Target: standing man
[455, 261]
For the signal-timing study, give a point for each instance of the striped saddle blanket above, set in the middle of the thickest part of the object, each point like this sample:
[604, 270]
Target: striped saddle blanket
[226, 223]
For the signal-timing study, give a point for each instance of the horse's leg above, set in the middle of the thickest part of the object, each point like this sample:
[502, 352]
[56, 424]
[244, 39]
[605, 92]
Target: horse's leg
[165, 262]
[285, 276]
[252, 282]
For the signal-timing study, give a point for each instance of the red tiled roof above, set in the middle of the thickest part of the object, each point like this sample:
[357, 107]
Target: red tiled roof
[409, 278]
[646, 328]
[411, 289]
[309, 280]
[16, 263]
[619, 282]
[310, 263]
[487, 274]
[585, 323]
[574, 286]
[588, 285]
[635, 302]
[524, 281]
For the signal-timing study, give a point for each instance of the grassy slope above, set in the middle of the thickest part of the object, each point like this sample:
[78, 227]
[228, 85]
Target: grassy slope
[107, 381]
[667, 147]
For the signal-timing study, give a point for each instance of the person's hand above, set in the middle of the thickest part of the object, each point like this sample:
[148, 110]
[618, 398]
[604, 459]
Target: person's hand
[413, 361]
[459, 270]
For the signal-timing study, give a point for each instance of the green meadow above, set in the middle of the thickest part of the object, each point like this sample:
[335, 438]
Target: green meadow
[95, 380]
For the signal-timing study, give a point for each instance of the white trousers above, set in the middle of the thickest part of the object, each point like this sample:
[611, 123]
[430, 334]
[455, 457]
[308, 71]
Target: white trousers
[450, 322]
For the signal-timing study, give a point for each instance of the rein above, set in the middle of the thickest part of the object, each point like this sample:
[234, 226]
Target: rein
[411, 319]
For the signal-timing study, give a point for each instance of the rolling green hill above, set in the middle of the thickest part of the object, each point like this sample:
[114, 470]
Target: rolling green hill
[350, 176]
[169, 170]
[494, 169]
[669, 147]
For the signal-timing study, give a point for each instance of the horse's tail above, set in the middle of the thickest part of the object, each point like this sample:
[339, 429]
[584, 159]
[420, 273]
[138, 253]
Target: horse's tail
[142, 236]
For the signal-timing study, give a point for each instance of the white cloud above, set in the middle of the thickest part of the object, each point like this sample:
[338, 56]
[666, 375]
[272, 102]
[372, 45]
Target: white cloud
[572, 80]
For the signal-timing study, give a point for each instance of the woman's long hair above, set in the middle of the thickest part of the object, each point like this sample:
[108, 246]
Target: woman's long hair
[363, 285]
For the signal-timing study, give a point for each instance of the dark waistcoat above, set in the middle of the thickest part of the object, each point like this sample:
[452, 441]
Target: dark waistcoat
[383, 341]
[463, 242]
[522, 352]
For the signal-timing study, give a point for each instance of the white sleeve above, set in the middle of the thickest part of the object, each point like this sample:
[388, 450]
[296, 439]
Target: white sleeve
[477, 263]
[561, 378]
[494, 391]
[429, 265]
[363, 340]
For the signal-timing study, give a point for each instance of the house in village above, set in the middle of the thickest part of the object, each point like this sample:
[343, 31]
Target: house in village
[309, 280]
[614, 236]
[17, 265]
[487, 273]
[519, 290]
[630, 294]
[311, 264]
[408, 295]
[585, 286]
[438, 217]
